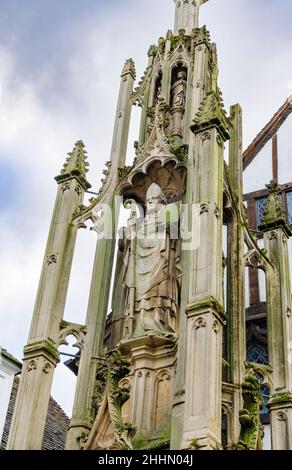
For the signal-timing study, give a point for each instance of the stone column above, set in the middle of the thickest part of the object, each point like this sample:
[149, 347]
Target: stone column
[276, 235]
[197, 408]
[235, 273]
[82, 417]
[197, 83]
[187, 15]
[41, 354]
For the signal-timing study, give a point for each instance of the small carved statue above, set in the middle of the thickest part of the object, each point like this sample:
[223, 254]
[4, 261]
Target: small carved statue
[178, 102]
[152, 273]
[179, 90]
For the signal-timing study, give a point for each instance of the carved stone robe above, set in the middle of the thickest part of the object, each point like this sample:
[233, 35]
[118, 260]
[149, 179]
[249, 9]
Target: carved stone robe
[157, 278]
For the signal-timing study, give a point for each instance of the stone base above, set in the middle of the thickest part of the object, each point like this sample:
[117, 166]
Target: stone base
[281, 421]
[201, 441]
[151, 382]
[150, 341]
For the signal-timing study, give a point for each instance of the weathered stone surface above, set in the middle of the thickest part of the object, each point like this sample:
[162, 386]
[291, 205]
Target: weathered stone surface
[174, 299]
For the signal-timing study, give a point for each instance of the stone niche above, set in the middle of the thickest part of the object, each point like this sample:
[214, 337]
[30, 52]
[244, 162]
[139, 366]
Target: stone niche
[171, 177]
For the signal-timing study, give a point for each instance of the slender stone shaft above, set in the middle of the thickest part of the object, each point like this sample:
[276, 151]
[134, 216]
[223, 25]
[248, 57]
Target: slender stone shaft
[187, 15]
[82, 417]
[41, 353]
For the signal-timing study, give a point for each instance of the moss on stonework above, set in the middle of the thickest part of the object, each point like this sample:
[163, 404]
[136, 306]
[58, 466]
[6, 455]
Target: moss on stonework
[158, 439]
[195, 444]
[210, 302]
[47, 346]
[281, 398]
[180, 151]
[9, 356]
[63, 324]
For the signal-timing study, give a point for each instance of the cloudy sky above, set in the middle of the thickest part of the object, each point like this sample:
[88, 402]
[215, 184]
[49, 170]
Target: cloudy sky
[60, 62]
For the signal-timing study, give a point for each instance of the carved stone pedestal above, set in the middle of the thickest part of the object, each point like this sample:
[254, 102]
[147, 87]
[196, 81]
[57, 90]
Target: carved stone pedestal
[149, 408]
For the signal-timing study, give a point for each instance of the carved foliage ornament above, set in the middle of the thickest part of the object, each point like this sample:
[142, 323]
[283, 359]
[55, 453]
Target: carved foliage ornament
[110, 397]
[251, 434]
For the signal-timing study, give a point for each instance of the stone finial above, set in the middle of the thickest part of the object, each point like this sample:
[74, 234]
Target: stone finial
[152, 50]
[274, 214]
[187, 15]
[76, 164]
[129, 68]
[212, 113]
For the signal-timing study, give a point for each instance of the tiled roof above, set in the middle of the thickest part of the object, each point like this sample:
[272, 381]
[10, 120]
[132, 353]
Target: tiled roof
[56, 425]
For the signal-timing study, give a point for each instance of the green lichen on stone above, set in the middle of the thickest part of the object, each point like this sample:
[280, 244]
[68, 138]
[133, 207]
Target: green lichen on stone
[110, 371]
[274, 216]
[9, 356]
[281, 398]
[180, 151]
[76, 166]
[212, 113]
[124, 171]
[195, 444]
[159, 439]
[45, 347]
[63, 324]
[251, 433]
[211, 302]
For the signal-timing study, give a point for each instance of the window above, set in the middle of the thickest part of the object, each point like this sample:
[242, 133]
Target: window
[258, 354]
[266, 396]
[289, 206]
[261, 205]
[265, 391]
